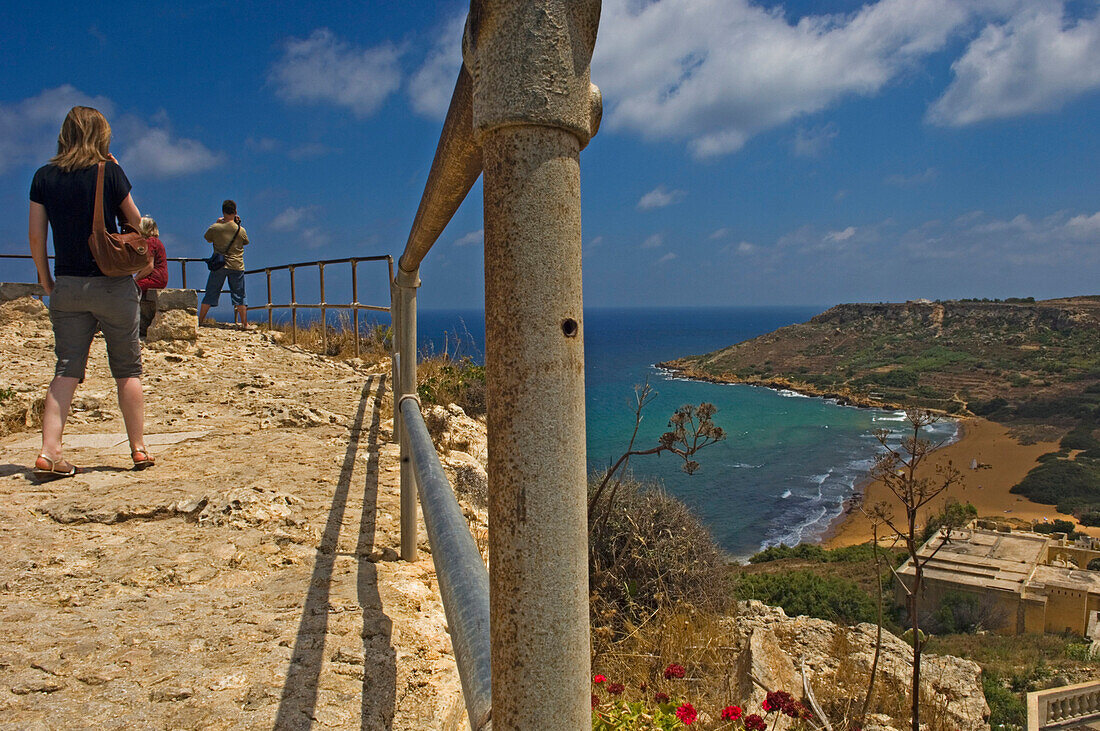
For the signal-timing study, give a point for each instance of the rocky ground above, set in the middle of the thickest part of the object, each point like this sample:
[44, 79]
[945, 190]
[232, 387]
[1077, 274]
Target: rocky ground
[250, 579]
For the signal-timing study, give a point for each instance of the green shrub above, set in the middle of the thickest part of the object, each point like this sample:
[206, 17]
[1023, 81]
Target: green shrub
[805, 551]
[1080, 438]
[445, 381]
[954, 515]
[1006, 707]
[964, 613]
[1062, 482]
[1091, 518]
[987, 408]
[1094, 564]
[806, 593]
[6, 393]
[1056, 526]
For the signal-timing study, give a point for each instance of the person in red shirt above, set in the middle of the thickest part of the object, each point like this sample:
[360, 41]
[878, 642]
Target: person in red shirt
[156, 279]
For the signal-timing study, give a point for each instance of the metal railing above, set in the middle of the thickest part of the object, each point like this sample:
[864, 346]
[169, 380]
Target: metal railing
[322, 305]
[522, 109]
[1068, 706]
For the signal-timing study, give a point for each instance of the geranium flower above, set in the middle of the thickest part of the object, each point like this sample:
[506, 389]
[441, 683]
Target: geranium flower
[599, 679]
[754, 722]
[616, 688]
[661, 697]
[595, 701]
[686, 713]
[731, 713]
[674, 671]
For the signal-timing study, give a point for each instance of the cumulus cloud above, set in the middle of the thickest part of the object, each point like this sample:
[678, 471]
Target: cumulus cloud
[655, 241]
[719, 234]
[716, 72]
[813, 141]
[843, 235]
[28, 134]
[1035, 62]
[667, 258]
[905, 181]
[471, 239]
[324, 68]
[28, 128]
[155, 153]
[431, 86]
[660, 197]
[291, 218]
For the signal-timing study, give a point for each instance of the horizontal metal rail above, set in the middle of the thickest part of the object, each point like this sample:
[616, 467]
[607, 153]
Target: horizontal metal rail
[462, 576]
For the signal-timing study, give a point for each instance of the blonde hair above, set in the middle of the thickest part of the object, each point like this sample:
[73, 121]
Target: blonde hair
[85, 139]
[149, 227]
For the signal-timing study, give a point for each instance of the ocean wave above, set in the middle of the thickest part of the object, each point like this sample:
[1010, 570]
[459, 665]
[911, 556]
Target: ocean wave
[787, 393]
[786, 494]
[746, 466]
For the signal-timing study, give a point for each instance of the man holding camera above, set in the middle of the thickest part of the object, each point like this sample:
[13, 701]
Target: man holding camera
[229, 239]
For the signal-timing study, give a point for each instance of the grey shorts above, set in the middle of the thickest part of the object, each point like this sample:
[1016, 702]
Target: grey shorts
[81, 305]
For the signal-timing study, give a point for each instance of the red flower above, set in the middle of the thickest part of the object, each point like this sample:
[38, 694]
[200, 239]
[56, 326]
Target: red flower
[595, 701]
[754, 722]
[674, 671]
[686, 713]
[768, 706]
[599, 679]
[781, 700]
[616, 688]
[642, 687]
[731, 713]
[661, 697]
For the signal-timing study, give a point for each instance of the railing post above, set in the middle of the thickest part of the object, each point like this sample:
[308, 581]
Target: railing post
[355, 303]
[269, 309]
[534, 109]
[405, 286]
[324, 314]
[183, 273]
[293, 310]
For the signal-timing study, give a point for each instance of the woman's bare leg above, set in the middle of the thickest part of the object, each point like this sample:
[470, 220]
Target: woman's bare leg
[59, 399]
[131, 401]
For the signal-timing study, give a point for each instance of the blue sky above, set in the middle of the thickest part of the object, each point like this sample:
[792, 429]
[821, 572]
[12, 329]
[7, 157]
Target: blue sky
[751, 153]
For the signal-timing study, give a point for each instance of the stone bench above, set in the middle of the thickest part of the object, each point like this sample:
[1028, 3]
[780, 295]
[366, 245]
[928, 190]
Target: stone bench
[172, 314]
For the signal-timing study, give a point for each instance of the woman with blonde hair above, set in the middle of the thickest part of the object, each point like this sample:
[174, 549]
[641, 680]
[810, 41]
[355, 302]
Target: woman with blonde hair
[156, 279]
[82, 299]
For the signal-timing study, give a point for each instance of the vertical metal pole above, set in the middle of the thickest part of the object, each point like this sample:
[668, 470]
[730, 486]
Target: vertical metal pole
[293, 311]
[534, 109]
[269, 320]
[406, 285]
[355, 303]
[324, 318]
[183, 273]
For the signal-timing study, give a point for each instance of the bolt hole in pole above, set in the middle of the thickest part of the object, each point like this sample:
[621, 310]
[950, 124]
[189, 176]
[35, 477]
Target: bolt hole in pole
[569, 327]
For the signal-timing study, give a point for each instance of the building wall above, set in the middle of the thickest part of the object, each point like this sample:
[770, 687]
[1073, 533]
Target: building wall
[1005, 606]
[1065, 609]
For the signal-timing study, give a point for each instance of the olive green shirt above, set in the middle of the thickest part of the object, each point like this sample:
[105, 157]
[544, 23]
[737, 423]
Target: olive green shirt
[220, 234]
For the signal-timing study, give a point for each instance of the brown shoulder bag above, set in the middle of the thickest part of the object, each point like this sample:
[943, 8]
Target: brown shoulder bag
[115, 254]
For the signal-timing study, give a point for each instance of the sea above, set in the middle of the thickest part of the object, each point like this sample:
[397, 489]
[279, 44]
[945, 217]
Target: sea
[789, 462]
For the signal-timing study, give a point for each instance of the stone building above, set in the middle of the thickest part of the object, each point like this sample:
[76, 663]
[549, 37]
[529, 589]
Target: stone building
[1025, 582]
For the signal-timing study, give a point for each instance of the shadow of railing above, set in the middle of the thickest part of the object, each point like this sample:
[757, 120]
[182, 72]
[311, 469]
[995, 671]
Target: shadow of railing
[298, 703]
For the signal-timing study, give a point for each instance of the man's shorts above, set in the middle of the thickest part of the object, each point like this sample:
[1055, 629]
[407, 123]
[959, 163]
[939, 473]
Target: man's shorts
[81, 305]
[214, 286]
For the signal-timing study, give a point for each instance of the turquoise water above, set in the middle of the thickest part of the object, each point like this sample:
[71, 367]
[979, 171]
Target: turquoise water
[789, 461]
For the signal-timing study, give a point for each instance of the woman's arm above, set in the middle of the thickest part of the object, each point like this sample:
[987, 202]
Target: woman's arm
[130, 212]
[36, 234]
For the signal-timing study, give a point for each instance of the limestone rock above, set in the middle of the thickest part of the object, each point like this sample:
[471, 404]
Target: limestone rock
[173, 325]
[23, 309]
[763, 659]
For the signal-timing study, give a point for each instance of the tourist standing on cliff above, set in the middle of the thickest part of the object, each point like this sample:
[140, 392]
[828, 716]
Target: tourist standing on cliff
[156, 279]
[82, 299]
[229, 239]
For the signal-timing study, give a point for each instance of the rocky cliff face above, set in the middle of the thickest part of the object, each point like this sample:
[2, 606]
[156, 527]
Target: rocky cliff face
[775, 647]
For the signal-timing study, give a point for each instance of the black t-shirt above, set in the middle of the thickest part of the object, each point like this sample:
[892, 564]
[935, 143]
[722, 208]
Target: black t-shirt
[69, 199]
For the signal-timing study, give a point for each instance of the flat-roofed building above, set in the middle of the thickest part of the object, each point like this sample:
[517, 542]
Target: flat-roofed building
[1023, 581]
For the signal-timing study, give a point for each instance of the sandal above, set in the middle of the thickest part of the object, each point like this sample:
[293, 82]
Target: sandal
[54, 468]
[146, 460]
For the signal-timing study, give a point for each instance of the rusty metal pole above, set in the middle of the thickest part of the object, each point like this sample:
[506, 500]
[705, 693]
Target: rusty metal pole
[534, 109]
[405, 285]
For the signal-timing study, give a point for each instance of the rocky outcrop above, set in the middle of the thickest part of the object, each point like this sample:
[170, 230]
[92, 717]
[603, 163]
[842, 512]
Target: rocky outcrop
[838, 662]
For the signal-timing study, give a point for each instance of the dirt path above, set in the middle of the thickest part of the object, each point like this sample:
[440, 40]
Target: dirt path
[249, 580]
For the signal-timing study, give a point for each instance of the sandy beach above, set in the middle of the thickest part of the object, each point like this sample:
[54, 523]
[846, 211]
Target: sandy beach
[987, 489]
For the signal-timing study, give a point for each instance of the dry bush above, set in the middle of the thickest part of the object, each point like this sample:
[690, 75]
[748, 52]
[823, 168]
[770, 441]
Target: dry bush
[650, 551]
[699, 640]
[444, 380]
[338, 341]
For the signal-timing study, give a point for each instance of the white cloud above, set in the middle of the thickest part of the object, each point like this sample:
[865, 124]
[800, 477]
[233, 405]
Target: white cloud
[323, 68]
[472, 238]
[667, 258]
[291, 218]
[838, 236]
[1035, 62]
[29, 128]
[905, 181]
[660, 197]
[812, 141]
[1084, 226]
[655, 241]
[716, 72]
[719, 234]
[153, 152]
[28, 134]
[431, 86]
[746, 248]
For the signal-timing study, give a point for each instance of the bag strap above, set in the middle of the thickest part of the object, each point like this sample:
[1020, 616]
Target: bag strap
[97, 217]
